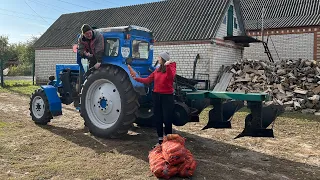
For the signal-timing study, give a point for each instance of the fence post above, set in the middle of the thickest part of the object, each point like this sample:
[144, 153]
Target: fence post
[1, 72]
[33, 71]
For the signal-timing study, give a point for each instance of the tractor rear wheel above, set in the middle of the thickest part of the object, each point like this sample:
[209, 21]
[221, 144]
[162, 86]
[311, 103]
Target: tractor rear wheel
[39, 107]
[108, 102]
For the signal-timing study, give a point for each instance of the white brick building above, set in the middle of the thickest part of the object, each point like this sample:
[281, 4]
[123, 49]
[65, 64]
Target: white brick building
[293, 28]
[185, 32]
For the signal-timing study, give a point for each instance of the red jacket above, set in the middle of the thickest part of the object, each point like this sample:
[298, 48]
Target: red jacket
[163, 82]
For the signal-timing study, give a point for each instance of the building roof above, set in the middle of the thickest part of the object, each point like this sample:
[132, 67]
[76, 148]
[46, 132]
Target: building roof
[171, 20]
[280, 13]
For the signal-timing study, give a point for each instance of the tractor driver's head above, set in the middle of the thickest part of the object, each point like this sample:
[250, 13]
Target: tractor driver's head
[86, 31]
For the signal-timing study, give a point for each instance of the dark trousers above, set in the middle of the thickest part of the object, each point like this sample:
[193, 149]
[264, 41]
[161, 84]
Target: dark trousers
[163, 112]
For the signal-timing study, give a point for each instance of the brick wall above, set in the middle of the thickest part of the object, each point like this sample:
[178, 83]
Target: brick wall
[46, 60]
[184, 56]
[288, 46]
[212, 57]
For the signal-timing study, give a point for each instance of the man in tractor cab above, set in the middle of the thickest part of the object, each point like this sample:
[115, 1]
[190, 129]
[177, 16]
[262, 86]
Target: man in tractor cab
[91, 45]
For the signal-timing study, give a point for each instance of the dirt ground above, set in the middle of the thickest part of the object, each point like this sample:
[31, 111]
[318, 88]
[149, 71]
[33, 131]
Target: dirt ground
[65, 150]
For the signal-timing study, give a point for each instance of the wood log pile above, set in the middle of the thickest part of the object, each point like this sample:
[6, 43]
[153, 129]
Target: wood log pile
[292, 83]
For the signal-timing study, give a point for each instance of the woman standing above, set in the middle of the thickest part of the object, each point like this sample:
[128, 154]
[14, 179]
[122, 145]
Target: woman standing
[162, 94]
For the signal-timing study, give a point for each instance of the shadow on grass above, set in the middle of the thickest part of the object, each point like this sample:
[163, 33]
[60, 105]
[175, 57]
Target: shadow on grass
[216, 160]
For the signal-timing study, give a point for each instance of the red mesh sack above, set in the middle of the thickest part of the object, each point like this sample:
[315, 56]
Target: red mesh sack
[174, 137]
[169, 171]
[158, 165]
[172, 158]
[176, 157]
[156, 162]
[187, 168]
[173, 150]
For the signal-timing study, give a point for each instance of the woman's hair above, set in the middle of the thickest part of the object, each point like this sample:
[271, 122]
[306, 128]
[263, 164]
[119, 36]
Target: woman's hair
[162, 67]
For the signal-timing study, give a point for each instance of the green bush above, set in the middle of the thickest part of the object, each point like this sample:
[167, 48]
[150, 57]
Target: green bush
[20, 70]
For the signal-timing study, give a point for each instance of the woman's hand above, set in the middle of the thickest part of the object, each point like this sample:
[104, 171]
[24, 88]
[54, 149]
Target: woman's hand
[167, 63]
[132, 72]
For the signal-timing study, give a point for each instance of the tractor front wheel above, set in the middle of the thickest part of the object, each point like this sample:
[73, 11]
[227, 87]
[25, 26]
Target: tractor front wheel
[108, 102]
[39, 107]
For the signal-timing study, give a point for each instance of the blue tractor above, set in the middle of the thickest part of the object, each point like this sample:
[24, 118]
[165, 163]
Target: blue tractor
[108, 99]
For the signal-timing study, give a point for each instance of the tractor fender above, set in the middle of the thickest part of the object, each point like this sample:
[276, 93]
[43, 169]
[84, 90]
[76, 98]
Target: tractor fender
[138, 87]
[55, 106]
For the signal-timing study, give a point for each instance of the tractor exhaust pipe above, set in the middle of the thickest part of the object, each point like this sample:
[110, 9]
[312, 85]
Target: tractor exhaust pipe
[195, 65]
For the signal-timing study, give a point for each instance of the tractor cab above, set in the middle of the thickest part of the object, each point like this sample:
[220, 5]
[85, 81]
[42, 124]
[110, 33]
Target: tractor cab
[125, 45]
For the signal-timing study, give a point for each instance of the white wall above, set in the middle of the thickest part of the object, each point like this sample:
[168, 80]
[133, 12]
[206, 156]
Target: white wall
[212, 57]
[184, 56]
[46, 60]
[288, 46]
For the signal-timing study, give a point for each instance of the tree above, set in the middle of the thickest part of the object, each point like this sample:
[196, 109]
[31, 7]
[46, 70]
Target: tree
[29, 53]
[24, 52]
[3, 46]
[6, 51]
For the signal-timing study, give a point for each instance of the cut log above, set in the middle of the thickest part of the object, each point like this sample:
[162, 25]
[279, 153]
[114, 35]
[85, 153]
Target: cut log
[296, 105]
[300, 91]
[281, 72]
[316, 90]
[292, 83]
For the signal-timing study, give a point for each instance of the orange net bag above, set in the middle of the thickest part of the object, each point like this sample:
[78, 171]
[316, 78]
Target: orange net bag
[175, 137]
[172, 158]
[158, 165]
[187, 168]
[173, 152]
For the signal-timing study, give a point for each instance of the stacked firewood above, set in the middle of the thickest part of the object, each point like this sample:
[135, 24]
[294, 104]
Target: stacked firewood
[292, 83]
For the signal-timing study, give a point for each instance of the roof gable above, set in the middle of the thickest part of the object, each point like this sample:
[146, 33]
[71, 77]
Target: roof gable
[171, 20]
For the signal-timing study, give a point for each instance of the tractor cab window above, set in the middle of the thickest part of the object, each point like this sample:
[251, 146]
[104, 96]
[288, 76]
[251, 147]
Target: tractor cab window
[140, 49]
[111, 47]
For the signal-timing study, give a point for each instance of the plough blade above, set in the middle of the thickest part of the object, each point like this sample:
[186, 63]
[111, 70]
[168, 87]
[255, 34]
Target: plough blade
[257, 121]
[270, 113]
[220, 115]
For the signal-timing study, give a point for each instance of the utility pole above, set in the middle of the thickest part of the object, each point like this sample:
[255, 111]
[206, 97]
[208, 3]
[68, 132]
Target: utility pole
[1, 72]
[1, 64]
[262, 18]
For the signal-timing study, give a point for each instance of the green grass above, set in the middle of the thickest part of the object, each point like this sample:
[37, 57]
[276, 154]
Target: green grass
[23, 87]
[2, 124]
